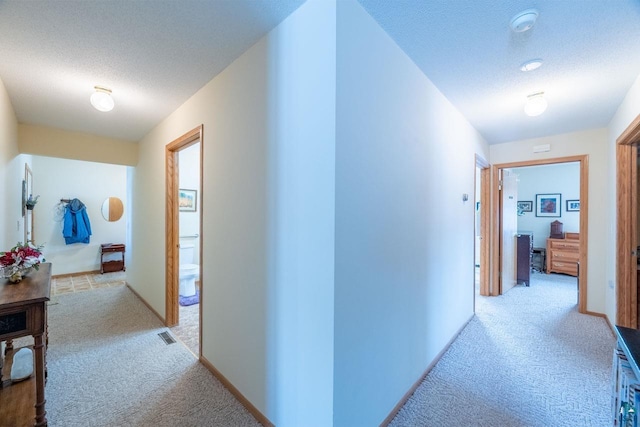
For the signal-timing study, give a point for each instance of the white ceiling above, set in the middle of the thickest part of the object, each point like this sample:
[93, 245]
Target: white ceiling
[153, 54]
[156, 54]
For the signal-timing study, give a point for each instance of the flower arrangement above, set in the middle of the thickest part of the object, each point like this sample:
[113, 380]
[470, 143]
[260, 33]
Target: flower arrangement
[18, 261]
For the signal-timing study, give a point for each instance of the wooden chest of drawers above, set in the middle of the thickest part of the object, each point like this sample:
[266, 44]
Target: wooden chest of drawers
[563, 255]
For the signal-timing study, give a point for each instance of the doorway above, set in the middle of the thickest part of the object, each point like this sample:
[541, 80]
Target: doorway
[481, 239]
[184, 209]
[627, 226]
[497, 238]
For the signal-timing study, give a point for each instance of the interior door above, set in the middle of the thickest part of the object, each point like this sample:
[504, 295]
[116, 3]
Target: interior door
[509, 226]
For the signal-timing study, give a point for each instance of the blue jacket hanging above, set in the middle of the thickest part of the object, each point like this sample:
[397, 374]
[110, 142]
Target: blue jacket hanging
[77, 228]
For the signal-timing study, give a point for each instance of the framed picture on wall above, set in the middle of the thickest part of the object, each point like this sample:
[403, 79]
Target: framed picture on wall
[525, 206]
[187, 200]
[573, 205]
[548, 205]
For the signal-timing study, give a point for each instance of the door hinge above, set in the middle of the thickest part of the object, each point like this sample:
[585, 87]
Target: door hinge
[500, 185]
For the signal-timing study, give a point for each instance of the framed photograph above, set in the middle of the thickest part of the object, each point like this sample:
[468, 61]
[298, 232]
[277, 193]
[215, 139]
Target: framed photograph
[573, 205]
[548, 205]
[187, 200]
[525, 206]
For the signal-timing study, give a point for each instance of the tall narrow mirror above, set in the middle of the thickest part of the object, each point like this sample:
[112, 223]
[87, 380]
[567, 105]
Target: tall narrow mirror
[28, 213]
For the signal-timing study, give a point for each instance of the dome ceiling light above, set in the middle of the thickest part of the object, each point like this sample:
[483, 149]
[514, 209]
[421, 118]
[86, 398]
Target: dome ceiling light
[524, 20]
[535, 105]
[101, 99]
[531, 65]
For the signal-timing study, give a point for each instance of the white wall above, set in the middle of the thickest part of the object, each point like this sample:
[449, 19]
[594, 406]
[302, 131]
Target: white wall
[594, 144]
[404, 280]
[189, 171]
[92, 183]
[302, 82]
[11, 175]
[268, 217]
[563, 178]
[626, 113]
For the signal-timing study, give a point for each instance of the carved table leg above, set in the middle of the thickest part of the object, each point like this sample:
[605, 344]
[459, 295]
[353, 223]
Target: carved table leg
[39, 349]
[46, 342]
[9, 346]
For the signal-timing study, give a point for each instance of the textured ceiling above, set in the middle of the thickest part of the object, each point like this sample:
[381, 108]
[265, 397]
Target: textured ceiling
[590, 49]
[156, 54]
[153, 54]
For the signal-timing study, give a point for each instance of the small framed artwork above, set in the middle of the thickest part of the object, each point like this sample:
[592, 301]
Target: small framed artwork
[187, 200]
[525, 206]
[573, 205]
[548, 205]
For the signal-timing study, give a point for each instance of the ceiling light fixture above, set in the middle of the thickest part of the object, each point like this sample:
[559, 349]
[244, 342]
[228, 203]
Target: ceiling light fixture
[524, 20]
[101, 99]
[531, 65]
[535, 105]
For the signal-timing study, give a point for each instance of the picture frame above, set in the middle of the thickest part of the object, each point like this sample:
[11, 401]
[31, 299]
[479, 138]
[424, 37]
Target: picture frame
[548, 205]
[573, 206]
[525, 205]
[187, 200]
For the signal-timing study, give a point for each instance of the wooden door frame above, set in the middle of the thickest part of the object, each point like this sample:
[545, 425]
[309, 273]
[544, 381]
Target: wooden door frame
[172, 229]
[626, 219]
[485, 196]
[584, 221]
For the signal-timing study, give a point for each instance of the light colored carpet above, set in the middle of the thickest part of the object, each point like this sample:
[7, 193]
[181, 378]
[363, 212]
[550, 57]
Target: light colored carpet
[527, 358]
[108, 367]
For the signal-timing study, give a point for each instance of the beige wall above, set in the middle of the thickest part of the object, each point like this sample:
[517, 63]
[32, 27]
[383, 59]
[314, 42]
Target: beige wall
[250, 288]
[11, 175]
[404, 158]
[594, 144]
[53, 142]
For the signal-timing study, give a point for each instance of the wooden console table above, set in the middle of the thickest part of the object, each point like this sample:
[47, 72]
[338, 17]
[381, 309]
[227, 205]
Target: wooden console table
[23, 311]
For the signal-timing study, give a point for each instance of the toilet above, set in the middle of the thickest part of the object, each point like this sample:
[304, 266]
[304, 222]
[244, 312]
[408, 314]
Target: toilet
[188, 271]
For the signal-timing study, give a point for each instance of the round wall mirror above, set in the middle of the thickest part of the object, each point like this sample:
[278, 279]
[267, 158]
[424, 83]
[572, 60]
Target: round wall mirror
[112, 209]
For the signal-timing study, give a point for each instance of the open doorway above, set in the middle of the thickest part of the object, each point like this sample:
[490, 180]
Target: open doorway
[482, 197]
[184, 286]
[627, 240]
[577, 202]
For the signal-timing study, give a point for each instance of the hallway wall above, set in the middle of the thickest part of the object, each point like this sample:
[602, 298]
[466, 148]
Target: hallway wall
[268, 233]
[11, 175]
[404, 280]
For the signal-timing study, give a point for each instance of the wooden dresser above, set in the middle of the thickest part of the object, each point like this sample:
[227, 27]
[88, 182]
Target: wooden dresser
[563, 255]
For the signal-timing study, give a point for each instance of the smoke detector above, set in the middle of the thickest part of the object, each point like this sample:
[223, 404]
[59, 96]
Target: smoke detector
[524, 20]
